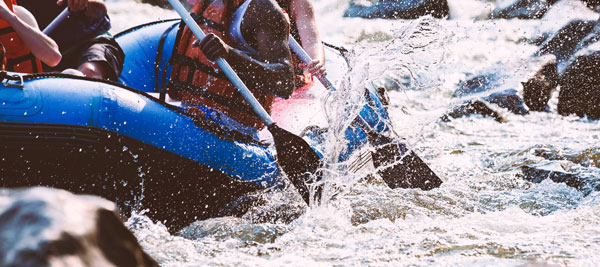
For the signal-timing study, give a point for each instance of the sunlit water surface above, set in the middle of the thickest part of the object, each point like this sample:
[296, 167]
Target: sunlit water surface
[484, 214]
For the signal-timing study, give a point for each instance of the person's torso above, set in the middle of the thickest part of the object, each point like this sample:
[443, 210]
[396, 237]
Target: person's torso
[199, 81]
[18, 56]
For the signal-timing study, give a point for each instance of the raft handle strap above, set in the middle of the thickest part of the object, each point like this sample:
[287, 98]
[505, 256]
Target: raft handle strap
[158, 60]
[19, 78]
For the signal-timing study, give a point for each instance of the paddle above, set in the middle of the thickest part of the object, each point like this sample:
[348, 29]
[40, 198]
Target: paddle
[57, 21]
[296, 158]
[398, 166]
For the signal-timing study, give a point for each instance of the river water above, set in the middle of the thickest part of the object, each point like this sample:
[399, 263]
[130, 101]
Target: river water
[484, 214]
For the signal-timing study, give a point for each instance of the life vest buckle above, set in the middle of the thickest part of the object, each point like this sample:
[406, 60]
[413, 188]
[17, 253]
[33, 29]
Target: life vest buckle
[19, 82]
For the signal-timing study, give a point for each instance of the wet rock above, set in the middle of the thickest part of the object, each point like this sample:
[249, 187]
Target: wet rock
[563, 43]
[501, 85]
[538, 89]
[473, 107]
[593, 4]
[397, 9]
[553, 171]
[50, 227]
[580, 84]
[522, 9]
[508, 99]
[478, 84]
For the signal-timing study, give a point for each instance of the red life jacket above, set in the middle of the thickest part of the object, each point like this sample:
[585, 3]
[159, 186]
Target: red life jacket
[198, 81]
[18, 56]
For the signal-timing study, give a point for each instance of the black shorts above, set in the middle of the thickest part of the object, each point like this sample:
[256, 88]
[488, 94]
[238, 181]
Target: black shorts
[104, 50]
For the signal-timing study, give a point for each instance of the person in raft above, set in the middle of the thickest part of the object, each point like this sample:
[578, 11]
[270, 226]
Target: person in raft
[83, 38]
[304, 29]
[23, 43]
[252, 35]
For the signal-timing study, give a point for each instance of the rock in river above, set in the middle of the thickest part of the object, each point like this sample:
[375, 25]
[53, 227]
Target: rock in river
[49, 227]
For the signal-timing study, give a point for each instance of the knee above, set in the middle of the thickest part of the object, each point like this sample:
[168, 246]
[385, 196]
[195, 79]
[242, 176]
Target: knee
[73, 72]
[93, 70]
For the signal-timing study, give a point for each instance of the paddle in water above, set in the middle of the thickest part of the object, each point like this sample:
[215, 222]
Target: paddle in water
[395, 163]
[295, 157]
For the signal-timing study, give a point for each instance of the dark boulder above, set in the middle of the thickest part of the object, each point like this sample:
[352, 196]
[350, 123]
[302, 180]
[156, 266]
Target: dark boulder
[538, 89]
[563, 43]
[522, 9]
[50, 227]
[398, 9]
[580, 84]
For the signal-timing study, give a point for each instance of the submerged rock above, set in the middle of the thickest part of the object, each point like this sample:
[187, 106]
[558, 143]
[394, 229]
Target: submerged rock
[552, 171]
[50, 227]
[398, 9]
[473, 107]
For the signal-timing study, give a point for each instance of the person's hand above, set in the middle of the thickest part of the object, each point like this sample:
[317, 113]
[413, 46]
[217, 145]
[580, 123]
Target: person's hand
[212, 47]
[74, 5]
[315, 67]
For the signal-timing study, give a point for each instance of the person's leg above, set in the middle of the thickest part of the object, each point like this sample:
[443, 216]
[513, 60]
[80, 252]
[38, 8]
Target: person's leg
[102, 59]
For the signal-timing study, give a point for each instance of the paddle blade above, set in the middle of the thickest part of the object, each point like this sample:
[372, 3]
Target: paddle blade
[400, 167]
[297, 159]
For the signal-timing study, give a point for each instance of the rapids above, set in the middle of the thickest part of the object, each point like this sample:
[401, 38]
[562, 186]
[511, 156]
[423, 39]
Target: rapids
[484, 214]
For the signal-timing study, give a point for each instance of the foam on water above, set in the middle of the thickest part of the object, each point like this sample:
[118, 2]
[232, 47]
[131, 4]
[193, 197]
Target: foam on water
[484, 213]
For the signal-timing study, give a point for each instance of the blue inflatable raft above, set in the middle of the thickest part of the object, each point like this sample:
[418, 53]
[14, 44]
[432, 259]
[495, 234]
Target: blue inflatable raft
[120, 141]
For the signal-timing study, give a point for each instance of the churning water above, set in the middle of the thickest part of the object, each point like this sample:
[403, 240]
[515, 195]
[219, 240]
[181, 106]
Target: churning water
[484, 214]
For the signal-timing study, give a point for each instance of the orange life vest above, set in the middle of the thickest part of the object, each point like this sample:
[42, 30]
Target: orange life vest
[198, 81]
[18, 56]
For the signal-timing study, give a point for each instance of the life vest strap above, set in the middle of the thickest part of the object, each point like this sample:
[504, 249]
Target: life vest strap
[206, 22]
[6, 30]
[234, 103]
[197, 65]
[11, 62]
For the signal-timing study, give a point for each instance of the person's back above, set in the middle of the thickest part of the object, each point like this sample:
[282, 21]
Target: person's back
[263, 62]
[83, 37]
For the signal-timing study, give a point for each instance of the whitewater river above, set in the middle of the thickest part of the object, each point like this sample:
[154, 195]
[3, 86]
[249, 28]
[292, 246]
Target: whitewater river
[484, 214]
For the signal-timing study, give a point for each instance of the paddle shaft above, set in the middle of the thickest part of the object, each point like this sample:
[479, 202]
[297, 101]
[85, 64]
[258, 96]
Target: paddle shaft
[57, 21]
[233, 77]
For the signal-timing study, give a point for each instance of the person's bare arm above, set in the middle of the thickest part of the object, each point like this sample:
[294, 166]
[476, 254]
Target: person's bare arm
[271, 71]
[24, 24]
[93, 8]
[304, 15]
